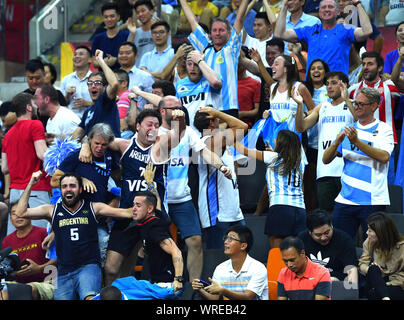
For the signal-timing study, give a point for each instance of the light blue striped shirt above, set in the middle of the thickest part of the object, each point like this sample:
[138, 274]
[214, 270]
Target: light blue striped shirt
[224, 62]
[284, 189]
[364, 179]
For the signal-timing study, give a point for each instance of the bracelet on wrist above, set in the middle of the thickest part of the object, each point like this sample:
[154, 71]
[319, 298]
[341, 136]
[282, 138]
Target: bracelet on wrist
[356, 3]
[151, 188]
[199, 62]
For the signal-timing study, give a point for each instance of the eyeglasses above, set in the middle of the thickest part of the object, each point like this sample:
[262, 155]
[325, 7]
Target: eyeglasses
[231, 239]
[155, 33]
[94, 83]
[175, 108]
[361, 104]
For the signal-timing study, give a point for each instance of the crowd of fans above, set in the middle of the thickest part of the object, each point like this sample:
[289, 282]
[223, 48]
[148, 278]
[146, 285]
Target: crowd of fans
[140, 159]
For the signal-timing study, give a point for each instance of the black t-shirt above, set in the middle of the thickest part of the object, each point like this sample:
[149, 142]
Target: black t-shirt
[152, 231]
[339, 253]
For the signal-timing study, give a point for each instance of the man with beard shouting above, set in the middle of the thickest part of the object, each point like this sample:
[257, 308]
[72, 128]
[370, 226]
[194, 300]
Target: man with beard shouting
[74, 221]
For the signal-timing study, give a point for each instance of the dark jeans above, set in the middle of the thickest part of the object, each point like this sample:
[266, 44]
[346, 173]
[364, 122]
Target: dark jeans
[377, 288]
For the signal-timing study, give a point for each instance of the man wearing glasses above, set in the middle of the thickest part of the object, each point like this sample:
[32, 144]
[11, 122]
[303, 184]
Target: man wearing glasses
[366, 148]
[239, 278]
[156, 59]
[103, 87]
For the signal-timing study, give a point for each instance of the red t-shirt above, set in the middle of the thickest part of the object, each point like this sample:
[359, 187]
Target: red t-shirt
[28, 247]
[249, 92]
[18, 145]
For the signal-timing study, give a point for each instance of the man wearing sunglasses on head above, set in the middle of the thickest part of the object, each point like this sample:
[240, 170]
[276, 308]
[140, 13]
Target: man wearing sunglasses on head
[103, 87]
[239, 278]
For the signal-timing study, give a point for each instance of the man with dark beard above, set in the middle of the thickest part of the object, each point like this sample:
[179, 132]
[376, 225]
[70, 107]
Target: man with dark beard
[74, 222]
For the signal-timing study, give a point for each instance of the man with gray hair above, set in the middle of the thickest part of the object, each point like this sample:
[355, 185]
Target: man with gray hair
[366, 148]
[95, 174]
[328, 40]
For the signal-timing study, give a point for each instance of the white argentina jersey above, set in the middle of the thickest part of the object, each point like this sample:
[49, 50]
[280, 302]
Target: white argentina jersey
[364, 180]
[331, 120]
[224, 62]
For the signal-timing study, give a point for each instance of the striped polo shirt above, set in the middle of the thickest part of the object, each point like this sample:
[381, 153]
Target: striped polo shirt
[316, 280]
[252, 277]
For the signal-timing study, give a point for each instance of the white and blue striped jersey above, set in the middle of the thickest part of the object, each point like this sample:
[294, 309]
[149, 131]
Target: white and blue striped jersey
[178, 190]
[284, 189]
[224, 62]
[331, 120]
[364, 179]
[218, 196]
[196, 95]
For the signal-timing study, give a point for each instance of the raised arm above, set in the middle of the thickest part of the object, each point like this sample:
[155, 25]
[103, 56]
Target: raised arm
[241, 12]
[112, 80]
[210, 75]
[396, 72]
[41, 212]
[193, 22]
[164, 143]
[280, 26]
[365, 30]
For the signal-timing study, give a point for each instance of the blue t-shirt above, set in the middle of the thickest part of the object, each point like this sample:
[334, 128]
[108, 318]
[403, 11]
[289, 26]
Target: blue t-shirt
[248, 21]
[109, 45]
[103, 110]
[98, 171]
[332, 46]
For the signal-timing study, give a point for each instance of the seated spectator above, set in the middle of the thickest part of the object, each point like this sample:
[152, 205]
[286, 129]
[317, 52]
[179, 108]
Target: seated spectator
[302, 279]
[158, 58]
[239, 278]
[204, 11]
[382, 259]
[26, 241]
[330, 247]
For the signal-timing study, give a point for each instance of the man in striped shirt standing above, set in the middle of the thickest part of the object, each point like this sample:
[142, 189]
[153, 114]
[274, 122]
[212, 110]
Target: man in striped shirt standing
[366, 148]
[222, 53]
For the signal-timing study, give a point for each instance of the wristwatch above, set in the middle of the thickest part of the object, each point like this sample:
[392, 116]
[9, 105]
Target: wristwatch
[179, 279]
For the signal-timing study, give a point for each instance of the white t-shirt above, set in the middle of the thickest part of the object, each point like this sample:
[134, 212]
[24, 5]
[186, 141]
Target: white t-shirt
[64, 122]
[178, 190]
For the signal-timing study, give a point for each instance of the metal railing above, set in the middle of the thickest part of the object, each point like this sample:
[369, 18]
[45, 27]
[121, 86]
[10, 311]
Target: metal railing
[52, 23]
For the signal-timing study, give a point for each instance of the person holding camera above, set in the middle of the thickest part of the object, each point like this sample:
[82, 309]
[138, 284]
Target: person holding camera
[26, 241]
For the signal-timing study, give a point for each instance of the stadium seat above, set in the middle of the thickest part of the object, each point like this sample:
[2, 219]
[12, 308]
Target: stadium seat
[250, 187]
[274, 265]
[260, 247]
[396, 199]
[398, 219]
[341, 291]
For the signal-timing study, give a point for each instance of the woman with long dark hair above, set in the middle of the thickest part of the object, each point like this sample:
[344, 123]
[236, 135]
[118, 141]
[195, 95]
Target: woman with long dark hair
[382, 260]
[284, 175]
